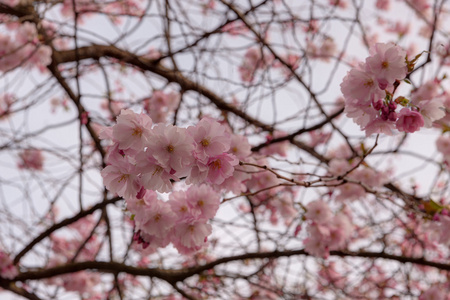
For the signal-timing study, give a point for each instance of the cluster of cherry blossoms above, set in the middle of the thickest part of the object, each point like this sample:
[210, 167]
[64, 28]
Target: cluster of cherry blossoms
[323, 50]
[437, 229]
[23, 48]
[255, 59]
[362, 176]
[369, 90]
[83, 246]
[146, 158]
[182, 220]
[443, 146]
[437, 291]
[160, 104]
[31, 159]
[7, 268]
[327, 231]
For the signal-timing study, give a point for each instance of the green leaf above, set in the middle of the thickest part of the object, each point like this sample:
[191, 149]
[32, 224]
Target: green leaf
[432, 207]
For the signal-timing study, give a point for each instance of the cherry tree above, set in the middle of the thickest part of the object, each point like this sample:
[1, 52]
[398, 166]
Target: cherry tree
[224, 149]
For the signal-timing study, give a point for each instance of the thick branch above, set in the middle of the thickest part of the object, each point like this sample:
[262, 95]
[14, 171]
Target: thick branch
[62, 224]
[173, 276]
[98, 51]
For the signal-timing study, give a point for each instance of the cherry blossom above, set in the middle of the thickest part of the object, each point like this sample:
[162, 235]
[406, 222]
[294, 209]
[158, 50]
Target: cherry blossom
[409, 121]
[131, 130]
[319, 212]
[160, 104]
[211, 139]
[31, 159]
[7, 269]
[172, 147]
[121, 178]
[387, 63]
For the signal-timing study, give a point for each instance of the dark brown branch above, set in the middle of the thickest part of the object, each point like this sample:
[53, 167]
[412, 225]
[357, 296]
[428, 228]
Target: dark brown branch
[173, 276]
[12, 287]
[62, 224]
[97, 51]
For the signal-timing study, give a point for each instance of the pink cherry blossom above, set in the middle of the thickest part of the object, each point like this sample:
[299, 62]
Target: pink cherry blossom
[240, 147]
[179, 205]
[37, 56]
[237, 182]
[331, 273]
[409, 121]
[323, 51]
[326, 231]
[153, 54]
[221, 167]
[316, 243]
[253, 60]
[421, 5]
[31, 159]
[203, 202]
[121, 178]
[150, 243]
[319, 212]
[427, 91]
[26, 33]
[9, 272]
[280, 148]
[443, 145]
[260, 179]
[340, 232]
[444, 232]
[401, 29]
[387, 63]
[383, 4]
[350, 192]
[284, 204]
[157, 219]
[114, 107]
[361, 113]
[292, 60]
[211, 139]
[160, 104]
[435, 293]
[131, 130]
[362, 86]
[138, 206]
[369, 177]
[431, 110]
[7, 269]
[235, 28]
[154, 176]
[172, 147]
[379, 125]
[82, 282]
[318, 137]
[191, 235]
[338, 166]
[198, 173]
[339, 3]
